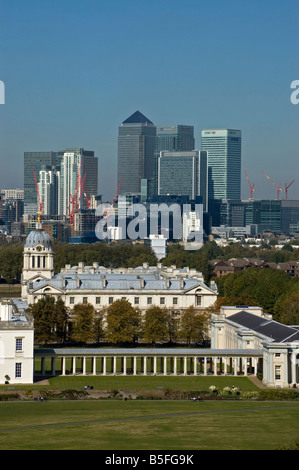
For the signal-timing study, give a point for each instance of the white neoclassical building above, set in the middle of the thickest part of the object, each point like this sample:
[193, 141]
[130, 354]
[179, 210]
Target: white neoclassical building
[249, 328]
[16, 343]
[143, 286]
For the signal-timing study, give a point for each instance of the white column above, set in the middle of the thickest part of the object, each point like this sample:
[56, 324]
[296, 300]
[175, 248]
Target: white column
[195, 365]
[84, 366]
[135, 365]
[63, 365]
[114, 365]
[104, 365]
[175, 365]
[185, 365]
[225, 365]
[215, 365]
[236, 366]
[74, 365]
[125, 365]
[144, 365]
[204, 366]
[165, 365]
[94, 365]
[245, 365]
[155, 365]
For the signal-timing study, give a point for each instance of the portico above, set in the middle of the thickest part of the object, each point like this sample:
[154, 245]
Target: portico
[139, 361]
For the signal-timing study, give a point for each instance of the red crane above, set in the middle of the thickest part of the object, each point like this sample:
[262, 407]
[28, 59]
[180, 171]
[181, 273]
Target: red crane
[74, 199]
[251, 186]
[40, 202]
[88, 201]
[286, 187]
[277, 187]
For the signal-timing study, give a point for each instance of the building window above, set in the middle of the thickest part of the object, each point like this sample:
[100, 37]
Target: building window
[124, 298]
[136, 300]
[19, 344]
[149, 300]
[110, 300]
[85, 300]
[162, 300]
[18, 369]
[277, 354]
[72, 300]
[98, 300]
[277, 372]
[175, 301]
[198, 301]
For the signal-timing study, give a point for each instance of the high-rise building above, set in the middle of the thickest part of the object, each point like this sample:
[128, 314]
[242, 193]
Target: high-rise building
[177, 138]
[49, 189]
[183, 174]
[136, 148]
[224, 162]
[78, 167]
[35, 161]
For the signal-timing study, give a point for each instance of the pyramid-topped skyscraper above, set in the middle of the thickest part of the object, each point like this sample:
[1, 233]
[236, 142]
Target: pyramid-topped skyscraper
[136, 148]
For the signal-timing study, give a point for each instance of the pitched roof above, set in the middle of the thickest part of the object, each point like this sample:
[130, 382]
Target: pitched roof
[270, 328]
[137, 118]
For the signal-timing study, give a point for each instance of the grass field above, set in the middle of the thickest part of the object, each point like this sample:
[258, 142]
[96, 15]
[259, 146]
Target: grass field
[148, 425]
[141, 383]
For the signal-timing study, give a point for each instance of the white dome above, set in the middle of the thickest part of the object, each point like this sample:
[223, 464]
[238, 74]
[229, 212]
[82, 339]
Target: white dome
[38, 237]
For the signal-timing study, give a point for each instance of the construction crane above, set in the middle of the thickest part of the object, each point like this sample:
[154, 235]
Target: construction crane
[251, 186]
[88, 201]
[286, 187]
[40, 202]
[278, 187]
[74, 199]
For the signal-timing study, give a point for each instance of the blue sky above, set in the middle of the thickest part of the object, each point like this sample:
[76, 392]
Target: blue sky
[74, 70]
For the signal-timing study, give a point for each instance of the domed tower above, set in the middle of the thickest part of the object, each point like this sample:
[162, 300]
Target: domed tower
[38, 259]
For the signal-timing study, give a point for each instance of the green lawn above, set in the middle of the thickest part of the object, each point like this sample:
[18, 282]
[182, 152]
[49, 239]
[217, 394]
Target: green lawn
[148, 425]
[140, 383]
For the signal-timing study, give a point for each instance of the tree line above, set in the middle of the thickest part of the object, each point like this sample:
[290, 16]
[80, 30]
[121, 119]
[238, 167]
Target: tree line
[120, 323]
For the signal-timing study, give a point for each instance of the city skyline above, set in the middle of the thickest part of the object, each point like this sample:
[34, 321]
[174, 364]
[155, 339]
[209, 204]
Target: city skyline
[217, 66]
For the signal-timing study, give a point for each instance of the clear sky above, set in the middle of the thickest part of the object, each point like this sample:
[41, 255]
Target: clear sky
[74, 70]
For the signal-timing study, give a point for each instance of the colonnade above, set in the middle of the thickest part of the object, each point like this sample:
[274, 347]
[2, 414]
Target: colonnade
[132, 362]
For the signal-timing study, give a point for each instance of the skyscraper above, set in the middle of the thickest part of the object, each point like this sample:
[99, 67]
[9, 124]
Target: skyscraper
[75, 163]
[177, 138]
[224, 162]
[35, 161]
[183, 174]
[136, 147]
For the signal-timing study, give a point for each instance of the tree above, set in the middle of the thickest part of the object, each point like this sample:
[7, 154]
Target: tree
[61, 319]
[82, 324]
[155, 326]
[98, 326]
[287, 309]
[49, 317]
[194, 325]
[123, 322]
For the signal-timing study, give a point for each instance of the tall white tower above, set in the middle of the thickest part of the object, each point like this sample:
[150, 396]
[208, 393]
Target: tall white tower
[38, 259]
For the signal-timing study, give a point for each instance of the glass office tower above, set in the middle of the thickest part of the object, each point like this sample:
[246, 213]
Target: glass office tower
[136, 147]
[177, 138]
[224, 162]
[183, 174]
[35, 161]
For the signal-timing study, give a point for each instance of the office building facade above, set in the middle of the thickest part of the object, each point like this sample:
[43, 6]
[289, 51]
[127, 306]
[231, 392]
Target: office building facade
[177, 138]
[77, 166]
[224, 162]
[35, 161]
[136, 148]
[183, 174]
